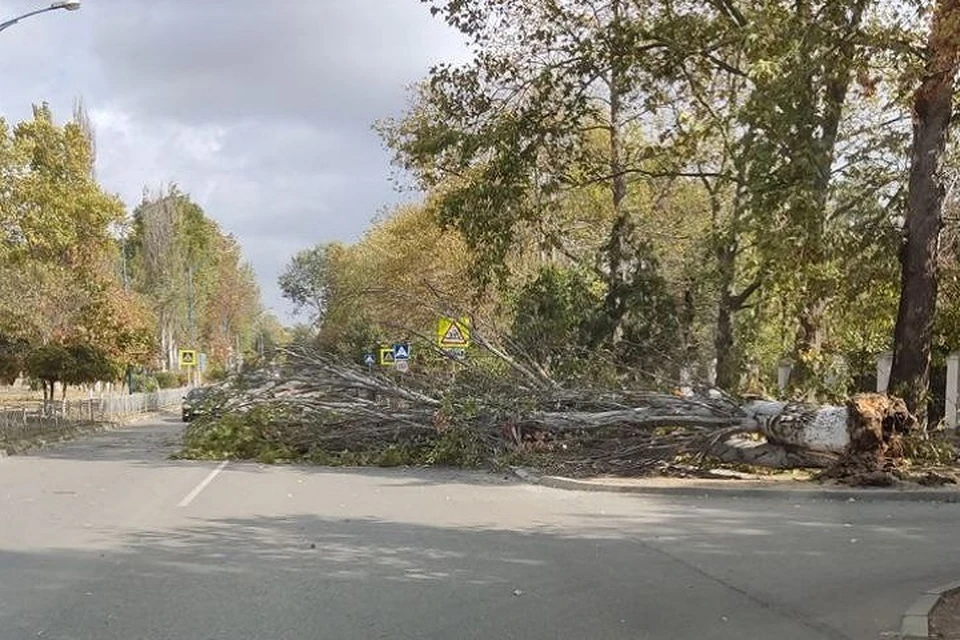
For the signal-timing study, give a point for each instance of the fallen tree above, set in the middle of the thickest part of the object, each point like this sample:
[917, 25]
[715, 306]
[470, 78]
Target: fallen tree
[316, 405]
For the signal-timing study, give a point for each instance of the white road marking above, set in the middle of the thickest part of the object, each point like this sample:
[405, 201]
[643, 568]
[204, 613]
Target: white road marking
[187, 499]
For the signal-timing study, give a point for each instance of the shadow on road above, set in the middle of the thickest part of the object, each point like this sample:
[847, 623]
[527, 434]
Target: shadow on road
[307, 576]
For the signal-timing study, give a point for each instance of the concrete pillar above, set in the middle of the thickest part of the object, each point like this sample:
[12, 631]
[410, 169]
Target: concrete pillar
[784, 370]
[953, 390]
[884, 367]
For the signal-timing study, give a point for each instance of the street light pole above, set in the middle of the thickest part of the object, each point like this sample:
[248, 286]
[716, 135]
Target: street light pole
[68, 5]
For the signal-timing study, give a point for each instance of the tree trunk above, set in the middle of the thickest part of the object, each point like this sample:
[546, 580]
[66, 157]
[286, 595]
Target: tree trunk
[932, 113]
[856, 442]
[619, 245]
[723, 342]
[811, 334]
[727, 251]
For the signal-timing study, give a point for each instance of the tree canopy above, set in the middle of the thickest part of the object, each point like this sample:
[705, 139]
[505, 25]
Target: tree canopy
[721, 186]
[88, 292]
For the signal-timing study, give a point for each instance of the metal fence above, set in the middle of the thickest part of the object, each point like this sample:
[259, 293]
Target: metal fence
[38, 418]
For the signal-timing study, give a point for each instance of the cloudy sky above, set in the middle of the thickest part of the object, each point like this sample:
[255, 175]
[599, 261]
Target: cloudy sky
[260, 109]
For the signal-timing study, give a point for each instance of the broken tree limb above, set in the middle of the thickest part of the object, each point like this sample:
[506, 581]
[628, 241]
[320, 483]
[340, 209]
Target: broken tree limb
[317, 403]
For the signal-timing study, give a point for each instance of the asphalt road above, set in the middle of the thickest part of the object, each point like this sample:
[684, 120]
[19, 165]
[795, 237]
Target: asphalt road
[108, 539]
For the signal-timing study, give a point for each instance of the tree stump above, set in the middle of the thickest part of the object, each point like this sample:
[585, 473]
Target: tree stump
[876, 425]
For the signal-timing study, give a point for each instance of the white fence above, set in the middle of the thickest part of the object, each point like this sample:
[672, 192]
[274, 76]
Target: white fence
[37, 418]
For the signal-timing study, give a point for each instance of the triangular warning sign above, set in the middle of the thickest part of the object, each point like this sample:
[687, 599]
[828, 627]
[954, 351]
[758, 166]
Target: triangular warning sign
[453, 336]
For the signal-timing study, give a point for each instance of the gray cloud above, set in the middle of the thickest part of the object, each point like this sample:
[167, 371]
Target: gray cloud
[327, 61]
[261, 110]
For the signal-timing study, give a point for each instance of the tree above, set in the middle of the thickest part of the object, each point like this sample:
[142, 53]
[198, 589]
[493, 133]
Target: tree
[751, 105]
[48, 364]
[932, 114]
[308, 279]
[193, 278]
[232, 309]
[403, 273]
[502, 138]
[57, 255]
[553, 320]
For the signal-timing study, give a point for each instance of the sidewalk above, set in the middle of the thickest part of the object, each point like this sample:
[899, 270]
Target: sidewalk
[780, 487]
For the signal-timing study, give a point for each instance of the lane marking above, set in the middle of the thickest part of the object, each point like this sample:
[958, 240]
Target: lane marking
[187, 499]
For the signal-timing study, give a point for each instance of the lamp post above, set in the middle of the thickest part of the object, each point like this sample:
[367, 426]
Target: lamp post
[67, 5]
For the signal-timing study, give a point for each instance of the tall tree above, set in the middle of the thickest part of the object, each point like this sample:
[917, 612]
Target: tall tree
[59, 296]
[192, 275]
[932, 115]
[503, 137]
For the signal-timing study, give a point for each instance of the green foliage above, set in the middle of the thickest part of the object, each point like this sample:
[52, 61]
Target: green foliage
[756, 150]
[269, 434]
[309, 277]
[457, 447]
[87, 364]
[143, 383]
[937, 449]
[554, 317]
[13, 353]
[192, 277]
[48, 362]
[170, 379]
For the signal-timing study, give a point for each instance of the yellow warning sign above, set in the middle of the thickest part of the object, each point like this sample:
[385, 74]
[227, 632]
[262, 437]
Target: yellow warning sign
[453, 334]
[188, 358]
[386, 358]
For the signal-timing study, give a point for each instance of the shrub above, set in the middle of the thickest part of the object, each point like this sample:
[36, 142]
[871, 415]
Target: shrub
[170, 379]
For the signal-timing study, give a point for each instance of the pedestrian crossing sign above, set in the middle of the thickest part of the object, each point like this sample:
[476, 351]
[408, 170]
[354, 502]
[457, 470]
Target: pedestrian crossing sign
[188, 358]
[386, 358]
[453, 334]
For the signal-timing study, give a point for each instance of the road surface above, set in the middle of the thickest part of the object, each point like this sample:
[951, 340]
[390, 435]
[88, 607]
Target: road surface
[107, 539]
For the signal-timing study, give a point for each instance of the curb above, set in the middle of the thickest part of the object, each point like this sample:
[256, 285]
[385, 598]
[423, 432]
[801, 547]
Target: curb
[845, 495]
[915, 624]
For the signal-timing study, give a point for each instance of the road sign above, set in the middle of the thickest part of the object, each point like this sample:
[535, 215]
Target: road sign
[369, 360]
[202, 361]
[401, 351]
[386, 356]
[403, 366]
[456, 354]
[188, 358]
[453, 334]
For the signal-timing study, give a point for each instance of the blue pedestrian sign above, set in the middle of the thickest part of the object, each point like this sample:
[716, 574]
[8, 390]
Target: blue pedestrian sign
[401, 351]
[369, 360]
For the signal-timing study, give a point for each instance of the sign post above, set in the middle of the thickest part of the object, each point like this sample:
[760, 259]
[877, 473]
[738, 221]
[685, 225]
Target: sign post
[188, 361]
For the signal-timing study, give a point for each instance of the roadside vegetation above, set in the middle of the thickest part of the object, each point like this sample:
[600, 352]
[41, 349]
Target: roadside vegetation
[646, 212]
[90, 292]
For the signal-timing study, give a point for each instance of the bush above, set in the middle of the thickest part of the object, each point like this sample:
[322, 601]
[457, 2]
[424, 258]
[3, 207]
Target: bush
[170, 379]
[143, 383]
[216, 373]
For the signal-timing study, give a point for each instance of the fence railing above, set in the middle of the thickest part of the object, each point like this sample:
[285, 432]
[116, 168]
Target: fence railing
[37, 418]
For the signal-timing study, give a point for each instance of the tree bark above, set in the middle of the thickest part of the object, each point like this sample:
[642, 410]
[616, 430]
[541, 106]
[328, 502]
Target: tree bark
[932, 114]
[619, 244]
